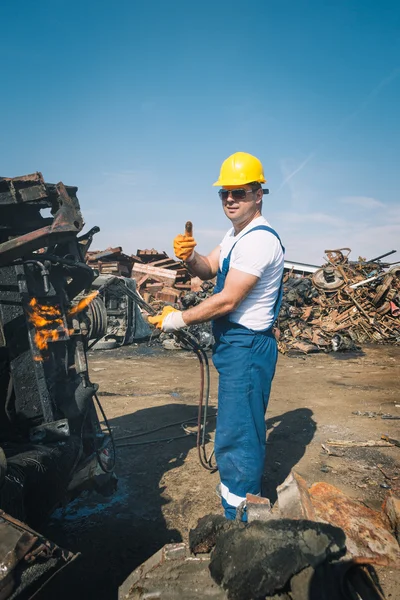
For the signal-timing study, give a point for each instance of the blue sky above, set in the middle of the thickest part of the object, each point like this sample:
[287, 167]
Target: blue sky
[138, 103]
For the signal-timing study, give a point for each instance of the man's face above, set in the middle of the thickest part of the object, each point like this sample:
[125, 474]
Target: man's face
[242, 210]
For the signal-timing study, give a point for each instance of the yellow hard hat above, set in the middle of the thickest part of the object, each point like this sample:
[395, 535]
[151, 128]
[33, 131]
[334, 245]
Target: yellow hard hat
[240, 168]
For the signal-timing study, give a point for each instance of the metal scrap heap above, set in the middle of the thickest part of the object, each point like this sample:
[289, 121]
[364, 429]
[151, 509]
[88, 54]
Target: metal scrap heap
[158, 277]
[342, 305]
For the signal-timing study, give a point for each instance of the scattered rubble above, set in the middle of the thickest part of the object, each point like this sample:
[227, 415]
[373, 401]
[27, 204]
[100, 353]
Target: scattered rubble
[110, 262]
[342, 305]
[158, 277]
[314, 544]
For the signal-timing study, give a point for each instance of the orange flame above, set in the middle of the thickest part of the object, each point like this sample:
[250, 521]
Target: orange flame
[48, 323]
[82, 304]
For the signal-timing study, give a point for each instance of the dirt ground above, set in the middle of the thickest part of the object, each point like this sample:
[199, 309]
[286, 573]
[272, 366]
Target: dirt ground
[162, 489]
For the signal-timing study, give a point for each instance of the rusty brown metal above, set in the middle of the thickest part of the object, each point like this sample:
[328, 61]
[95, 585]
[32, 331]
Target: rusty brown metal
[382, 289]
[336, 256]
[369, 539]
[20, 547]
[26, 188]
[328, 278]
[294, 499]
[66, 224]
[391, 507]
[361, 314]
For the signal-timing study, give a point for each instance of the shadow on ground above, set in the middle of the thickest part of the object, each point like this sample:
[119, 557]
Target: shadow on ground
[117, 534]
[114, 535]
[288, 437]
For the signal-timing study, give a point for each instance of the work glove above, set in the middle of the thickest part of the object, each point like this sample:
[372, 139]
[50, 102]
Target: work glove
[184, 246]
[169, 320]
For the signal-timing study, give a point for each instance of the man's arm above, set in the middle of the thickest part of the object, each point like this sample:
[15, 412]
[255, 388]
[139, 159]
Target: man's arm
[205, 267]
[237, 286]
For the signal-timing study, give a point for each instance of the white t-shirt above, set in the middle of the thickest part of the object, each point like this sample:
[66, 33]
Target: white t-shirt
[259, 253]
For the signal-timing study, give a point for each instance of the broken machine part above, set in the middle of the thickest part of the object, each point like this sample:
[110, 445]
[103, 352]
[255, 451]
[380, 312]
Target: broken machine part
[52, 442]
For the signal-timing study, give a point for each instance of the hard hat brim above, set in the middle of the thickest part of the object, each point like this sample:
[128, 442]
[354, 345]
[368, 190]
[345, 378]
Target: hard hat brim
[238, 182]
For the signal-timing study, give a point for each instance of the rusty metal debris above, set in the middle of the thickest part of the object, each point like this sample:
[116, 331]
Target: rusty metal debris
[158, 277]
[159, 280]
[339, 307]
[314, 543]
[342, 305]
[25, 556]
[261, 559]
[21, 193]
[369, 535]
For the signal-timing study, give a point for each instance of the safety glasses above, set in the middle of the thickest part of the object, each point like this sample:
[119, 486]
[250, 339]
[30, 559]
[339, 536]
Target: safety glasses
[238, 194]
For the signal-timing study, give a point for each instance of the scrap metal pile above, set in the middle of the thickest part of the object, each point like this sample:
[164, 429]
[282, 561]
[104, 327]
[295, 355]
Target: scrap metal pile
[342, 305]
[158, 277]
[339, 307]
[159, 280]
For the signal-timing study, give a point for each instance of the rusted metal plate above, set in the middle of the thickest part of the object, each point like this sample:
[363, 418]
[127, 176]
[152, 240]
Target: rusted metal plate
[294, 499]
[27, 188]
[328, 278]
[391, 508]
[21, 550]
[368, 536]
[14, 544]
[66, 224]
[169, 574]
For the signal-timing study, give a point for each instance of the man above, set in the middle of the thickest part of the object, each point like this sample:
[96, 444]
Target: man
[249, 266]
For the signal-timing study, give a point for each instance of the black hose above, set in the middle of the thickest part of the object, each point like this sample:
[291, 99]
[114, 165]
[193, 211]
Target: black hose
[191, 341]
[168, 439]
[141, 433]
[108, 469]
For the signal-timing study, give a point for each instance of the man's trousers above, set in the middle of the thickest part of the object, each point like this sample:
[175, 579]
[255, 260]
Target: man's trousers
[245, 361]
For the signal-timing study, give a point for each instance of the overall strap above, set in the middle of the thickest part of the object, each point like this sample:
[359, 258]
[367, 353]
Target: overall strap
[258, 228]
[226, 264]
[270, 230]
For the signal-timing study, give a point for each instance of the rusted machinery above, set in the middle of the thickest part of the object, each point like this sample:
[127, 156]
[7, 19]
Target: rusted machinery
[125, 323]
[51, 438]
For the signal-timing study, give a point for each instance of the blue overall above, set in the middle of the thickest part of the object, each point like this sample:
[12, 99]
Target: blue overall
[245, 361]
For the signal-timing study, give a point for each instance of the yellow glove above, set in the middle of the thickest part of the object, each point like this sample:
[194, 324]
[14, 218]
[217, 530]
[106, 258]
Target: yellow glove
[158, 319]
[169, 320]
[184, 246]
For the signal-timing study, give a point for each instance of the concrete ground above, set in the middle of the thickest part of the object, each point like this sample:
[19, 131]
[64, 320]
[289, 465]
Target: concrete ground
[162, 489]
